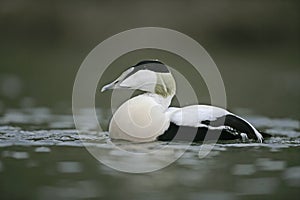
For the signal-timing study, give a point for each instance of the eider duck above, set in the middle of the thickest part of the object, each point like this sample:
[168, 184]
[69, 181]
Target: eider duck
[148, 117]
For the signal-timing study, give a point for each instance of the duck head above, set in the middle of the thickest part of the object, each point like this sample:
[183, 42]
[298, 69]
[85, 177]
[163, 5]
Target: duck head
[150, 76]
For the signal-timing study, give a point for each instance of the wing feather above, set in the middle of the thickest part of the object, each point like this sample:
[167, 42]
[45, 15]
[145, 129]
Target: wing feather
[211, 116]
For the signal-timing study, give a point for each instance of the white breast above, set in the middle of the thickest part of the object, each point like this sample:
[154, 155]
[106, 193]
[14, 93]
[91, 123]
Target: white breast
[140, 119]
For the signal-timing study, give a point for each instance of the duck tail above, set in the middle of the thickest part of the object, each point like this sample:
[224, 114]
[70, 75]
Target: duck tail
[243, 126]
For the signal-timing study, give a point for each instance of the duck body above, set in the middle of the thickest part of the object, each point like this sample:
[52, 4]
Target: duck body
[148, 117]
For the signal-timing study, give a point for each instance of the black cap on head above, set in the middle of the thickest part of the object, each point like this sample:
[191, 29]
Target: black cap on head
[151, 65]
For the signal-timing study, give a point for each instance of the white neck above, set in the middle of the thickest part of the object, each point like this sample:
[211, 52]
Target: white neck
[164, 101]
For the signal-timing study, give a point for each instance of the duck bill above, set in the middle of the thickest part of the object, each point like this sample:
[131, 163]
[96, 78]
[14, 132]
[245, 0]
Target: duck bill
[109, 86]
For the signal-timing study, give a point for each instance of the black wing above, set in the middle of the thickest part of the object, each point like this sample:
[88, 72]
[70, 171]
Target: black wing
[196, 134]
[231, 125]
[235, 122]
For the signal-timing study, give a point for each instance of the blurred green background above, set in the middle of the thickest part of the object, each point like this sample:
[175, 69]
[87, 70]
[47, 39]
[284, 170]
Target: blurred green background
[255, 44]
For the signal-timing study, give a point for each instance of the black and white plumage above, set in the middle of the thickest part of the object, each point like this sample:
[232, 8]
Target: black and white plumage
[148, 117]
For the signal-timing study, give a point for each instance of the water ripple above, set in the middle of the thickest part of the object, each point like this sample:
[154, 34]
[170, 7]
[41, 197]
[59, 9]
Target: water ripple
[40, 127]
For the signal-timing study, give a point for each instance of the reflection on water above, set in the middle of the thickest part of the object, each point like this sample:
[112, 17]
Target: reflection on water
[292, 176]
[43, 157]
[69, 167]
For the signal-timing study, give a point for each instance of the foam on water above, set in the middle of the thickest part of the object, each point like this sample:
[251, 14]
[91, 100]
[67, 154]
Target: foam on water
[40, 127]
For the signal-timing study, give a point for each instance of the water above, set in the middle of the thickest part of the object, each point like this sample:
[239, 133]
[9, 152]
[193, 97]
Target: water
[255, 46]
[42, 157]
